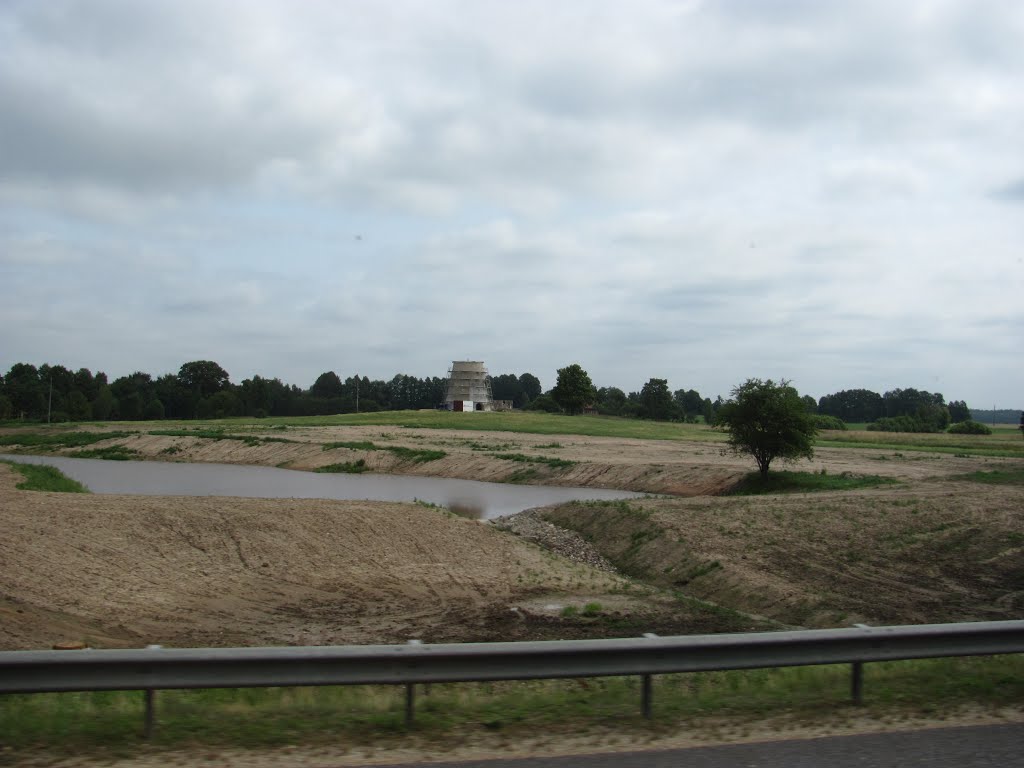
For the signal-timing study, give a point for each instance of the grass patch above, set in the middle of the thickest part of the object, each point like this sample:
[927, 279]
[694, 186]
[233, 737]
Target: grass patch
[352, 445]
[39, 477]
[995, 477]
[523, 475]
[550, 461]
[110, 453]
[414, 455]
[218, 434]
[100, 722]
[345, 467]
[52, 441]
[800, 482]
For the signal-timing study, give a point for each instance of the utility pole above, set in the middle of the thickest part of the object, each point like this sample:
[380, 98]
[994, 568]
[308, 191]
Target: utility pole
[49, 403]
[357, 393]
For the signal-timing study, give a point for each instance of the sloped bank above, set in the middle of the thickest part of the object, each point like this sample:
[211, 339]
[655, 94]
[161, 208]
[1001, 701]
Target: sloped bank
[883, 556]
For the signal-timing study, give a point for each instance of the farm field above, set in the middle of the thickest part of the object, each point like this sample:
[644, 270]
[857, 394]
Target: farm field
[933, 543]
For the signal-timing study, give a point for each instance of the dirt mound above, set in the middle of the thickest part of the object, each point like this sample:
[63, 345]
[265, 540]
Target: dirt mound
[126, 570]
[936, 552]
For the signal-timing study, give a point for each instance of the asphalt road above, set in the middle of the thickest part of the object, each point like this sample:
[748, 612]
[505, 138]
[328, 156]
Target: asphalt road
[966, 747]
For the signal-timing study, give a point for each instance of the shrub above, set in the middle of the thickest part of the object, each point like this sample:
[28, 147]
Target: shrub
[821, 421]
[544, 403]
[970, 427]
[901, 424]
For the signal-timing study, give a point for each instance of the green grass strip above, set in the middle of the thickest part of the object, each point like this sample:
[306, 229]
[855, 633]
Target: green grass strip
[218, 434]
[352, 445]
[995, 477]
[95, 723]
[110, 453]
[346, 467]
[800, 482]
[54, 440]
[550, 461]
[39, 477]
[415, 455]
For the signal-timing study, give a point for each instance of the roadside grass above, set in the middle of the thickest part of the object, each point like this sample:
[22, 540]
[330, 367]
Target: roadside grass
[755, 483]
[414, 455]
[40, 477]
[995, 477]
[110, 723]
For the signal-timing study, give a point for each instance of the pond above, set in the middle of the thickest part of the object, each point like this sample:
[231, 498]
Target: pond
[469, 498]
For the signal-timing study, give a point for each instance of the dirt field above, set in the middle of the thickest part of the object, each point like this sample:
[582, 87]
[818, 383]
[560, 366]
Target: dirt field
[128, 571]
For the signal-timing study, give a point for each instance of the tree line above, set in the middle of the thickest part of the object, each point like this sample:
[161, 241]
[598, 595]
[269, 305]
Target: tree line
[898, 410]
[202, 389]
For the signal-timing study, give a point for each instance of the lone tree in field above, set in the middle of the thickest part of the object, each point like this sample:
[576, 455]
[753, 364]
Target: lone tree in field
[574, 390]
[768, 421]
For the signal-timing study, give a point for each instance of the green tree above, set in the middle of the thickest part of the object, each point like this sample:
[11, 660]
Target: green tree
[656, 400]
[610, 401]
[531, 386]
[327, 385]
[129, 407]
[689, 403]
[154, 410]
[574, 390]
[78, 406]
[768, 421]
[203, 377]
[958, 411]
[104, 404]
[506, 386]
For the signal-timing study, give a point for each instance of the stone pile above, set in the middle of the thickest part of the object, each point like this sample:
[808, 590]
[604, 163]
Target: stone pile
[530, 526]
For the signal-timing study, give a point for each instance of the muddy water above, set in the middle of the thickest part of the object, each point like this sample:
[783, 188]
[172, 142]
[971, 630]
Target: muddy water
[465, 497]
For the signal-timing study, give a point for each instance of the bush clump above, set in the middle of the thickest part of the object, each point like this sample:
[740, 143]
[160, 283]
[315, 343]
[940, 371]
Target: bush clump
[821, 421]
[969, 427]
[901, 424]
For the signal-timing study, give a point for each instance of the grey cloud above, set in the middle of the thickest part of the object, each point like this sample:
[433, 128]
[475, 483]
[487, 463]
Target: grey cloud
[1012, 192]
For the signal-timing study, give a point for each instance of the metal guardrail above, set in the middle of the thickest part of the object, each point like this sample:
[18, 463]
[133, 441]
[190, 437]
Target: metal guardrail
[157, 668]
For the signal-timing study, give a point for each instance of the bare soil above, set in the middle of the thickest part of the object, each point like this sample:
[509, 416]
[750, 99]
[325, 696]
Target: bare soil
[185, 571]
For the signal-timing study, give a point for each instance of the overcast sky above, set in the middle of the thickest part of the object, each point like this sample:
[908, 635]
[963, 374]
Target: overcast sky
[828, 192]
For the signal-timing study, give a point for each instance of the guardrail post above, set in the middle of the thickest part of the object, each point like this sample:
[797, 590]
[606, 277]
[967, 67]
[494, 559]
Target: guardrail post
[150, 724]
[410, 697]
[647, 687]
[410, 704]
[149, 727]
[857, 676]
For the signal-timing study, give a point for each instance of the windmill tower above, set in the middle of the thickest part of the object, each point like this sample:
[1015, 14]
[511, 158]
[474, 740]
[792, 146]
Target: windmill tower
[468, 387]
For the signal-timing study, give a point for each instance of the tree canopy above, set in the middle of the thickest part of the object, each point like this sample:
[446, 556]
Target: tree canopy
[768, 421]
[656, 400]
[574, 390]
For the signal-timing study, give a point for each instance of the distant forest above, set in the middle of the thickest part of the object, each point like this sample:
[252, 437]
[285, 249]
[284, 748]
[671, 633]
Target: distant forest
[202, 389]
